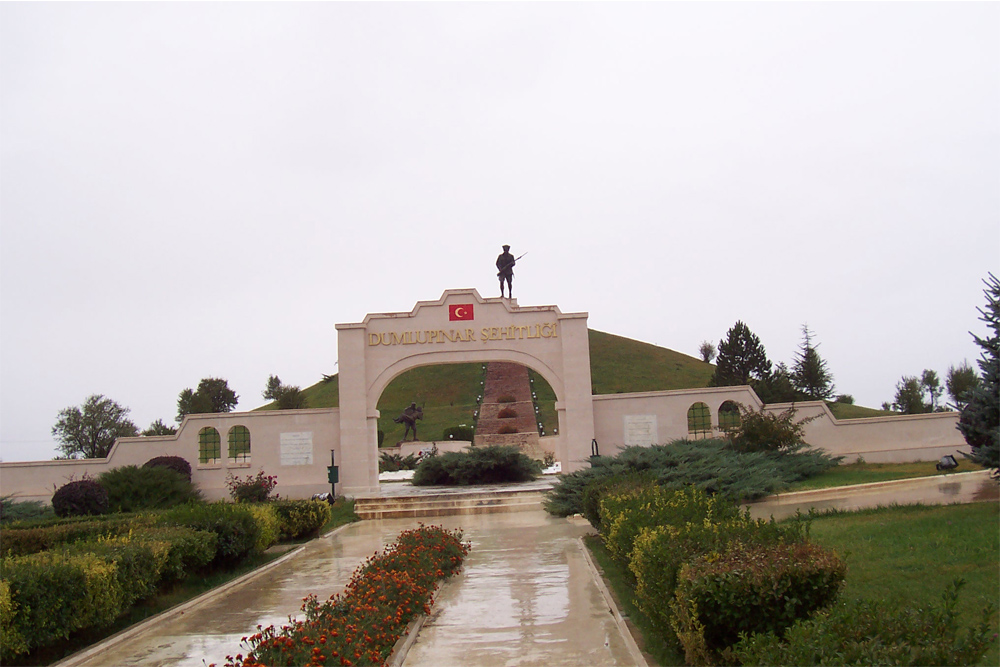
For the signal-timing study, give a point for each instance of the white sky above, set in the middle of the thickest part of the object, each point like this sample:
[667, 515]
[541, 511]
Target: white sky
[191, 190]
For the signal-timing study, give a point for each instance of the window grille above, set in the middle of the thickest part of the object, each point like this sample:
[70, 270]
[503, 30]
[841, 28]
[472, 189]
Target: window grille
[209, 445]
[239, 444]
[699, 421]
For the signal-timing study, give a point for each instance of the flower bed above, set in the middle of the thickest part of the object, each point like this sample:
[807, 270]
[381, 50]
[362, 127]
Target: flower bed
[361, 625]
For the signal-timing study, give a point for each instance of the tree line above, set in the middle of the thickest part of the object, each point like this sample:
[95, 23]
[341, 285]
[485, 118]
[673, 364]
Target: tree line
[91, 429]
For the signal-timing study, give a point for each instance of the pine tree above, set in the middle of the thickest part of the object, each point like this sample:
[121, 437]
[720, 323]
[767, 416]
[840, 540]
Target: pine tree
[742, 359]
[980, 419]
[810, 374]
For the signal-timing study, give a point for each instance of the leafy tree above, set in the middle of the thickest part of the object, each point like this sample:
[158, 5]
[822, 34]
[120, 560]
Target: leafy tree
[213, 395]
[960, 382]
[980, 419]
[287, 397]
[707, 351]
[910, 397]
[742, 359]
[810, 374]
[930, 383]
[90, 431]
[159, 428]
[846, 399]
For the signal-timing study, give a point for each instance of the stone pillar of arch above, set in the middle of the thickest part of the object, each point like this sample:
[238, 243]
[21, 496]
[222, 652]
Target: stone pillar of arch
[460, 327]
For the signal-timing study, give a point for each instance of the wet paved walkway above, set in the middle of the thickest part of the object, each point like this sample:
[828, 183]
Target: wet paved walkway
[526, 596]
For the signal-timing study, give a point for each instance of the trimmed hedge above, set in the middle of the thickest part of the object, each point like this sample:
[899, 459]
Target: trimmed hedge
[750, 589]
[175, 463]
[875, 632]
[622, 483]
[52, 595]
[464, 433]
[268, 523]
[301, 518]
[137, 564]
[235, 525]
[478, 465]
[28, 539]
[80, 498]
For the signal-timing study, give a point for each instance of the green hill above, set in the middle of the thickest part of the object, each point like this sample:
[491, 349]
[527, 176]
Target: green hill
[448, 393]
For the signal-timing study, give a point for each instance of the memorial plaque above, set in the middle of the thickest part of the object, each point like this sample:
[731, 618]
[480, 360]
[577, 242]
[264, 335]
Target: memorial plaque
[640, 430]
[297, 449]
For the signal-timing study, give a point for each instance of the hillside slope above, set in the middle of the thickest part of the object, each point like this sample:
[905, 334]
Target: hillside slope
[448, 393]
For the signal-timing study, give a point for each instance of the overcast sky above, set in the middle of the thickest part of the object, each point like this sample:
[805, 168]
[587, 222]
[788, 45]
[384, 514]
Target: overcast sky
[191, 190]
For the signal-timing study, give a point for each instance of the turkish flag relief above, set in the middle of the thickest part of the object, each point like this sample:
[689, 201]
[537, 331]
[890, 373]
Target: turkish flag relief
[460, 311]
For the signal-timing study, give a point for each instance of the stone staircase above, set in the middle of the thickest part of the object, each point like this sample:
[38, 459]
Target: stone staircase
[507, 406]
[454, 501]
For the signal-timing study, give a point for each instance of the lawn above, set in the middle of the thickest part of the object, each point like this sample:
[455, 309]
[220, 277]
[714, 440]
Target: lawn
[866, 473]
[907, 554]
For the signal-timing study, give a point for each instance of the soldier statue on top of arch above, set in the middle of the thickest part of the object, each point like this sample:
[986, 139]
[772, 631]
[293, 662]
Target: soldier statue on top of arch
[505, 268]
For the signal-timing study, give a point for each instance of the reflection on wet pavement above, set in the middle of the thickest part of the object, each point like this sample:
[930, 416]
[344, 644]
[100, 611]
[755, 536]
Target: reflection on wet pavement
[525, 596]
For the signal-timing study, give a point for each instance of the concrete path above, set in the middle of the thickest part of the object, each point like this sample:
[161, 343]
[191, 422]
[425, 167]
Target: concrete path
[526, 596]
[962, 487]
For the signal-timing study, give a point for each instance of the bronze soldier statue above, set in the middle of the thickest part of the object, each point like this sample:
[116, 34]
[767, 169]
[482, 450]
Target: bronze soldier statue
[409, 417]
[505, 265]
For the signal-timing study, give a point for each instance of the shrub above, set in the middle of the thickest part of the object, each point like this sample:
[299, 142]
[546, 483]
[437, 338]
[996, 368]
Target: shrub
[710, 465]
[507, 429]
[750, 589]
[11, 641]
[80, 498]
[621, 483]
[624, 515]
[28, 539]
[393, 462]
[875, 633]
[53, 595]
[762, 431]
[234, 525]
[507, 413]
[187, 550]
[254, 489]
[268, 525]
[507, 398]
[175, 463]
[479, 465]
[22, 510]
[464, 433]
[133, 489]
[137, 564]
[301, 518]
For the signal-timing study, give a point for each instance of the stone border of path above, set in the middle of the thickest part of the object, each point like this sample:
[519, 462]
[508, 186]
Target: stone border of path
[633, 647]
[140, 627]
[840, 491]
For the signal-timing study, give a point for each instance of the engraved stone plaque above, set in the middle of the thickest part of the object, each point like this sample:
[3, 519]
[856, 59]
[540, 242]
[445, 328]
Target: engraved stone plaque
[640, 430]
[297, 449]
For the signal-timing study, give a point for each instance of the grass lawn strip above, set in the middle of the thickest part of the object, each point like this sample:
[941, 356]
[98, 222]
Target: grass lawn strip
[904, 554]
[849, 474]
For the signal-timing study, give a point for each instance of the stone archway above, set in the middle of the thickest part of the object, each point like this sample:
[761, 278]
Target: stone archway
[460, 327]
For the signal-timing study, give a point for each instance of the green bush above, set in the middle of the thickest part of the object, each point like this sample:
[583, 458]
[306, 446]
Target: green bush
[233, 524]
[268, 524]
[138, 564]
[133, 489]
[710, 465]
[762, 431]
[478, 465]
[301, 518]
[11, 641]
[624, 515]
[80, 498]
[187, 550]
[29, 538]
[750, 589]
[53, 595]
[175, 463]
[875, 632]
[393, 462]
[12, 510]
[621, 483]
[463, 433]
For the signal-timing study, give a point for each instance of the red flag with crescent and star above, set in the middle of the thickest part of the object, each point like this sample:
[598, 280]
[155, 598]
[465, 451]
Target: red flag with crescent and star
[460, 311]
